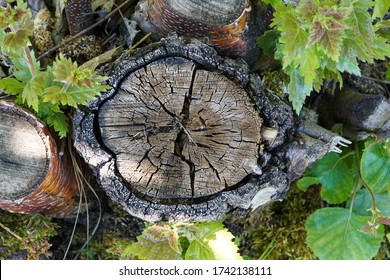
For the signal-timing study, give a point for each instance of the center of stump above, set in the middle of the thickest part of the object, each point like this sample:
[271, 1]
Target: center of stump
[180, 132]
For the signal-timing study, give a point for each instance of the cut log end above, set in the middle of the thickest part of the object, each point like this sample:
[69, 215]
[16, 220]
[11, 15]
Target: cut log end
[179, 132]
[178, 137]
[34, 178]
[23, 154]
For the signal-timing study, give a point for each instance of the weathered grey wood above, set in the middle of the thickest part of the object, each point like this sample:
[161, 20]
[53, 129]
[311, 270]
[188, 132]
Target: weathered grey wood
[23, 155]
[359, 113]
[178, 137]
[181, 132]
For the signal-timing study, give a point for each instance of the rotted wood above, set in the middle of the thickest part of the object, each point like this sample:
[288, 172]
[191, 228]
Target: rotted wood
[187, 135]
[225, 24]
[34, 177]
[359, 113]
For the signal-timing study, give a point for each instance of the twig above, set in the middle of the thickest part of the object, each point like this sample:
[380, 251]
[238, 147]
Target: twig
[376, 80]
[10, 231]
[85, 30]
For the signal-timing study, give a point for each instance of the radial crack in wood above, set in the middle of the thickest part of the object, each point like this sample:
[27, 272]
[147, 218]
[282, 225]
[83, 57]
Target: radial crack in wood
[179, 132]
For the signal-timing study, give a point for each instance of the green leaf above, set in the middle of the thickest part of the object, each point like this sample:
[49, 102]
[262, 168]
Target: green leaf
[335, 177]
[11, 86]
[158, 242]
[268, 41]
[309, 64]
[59, 121]
[199, 250]
[32, 92]
[294, 38]
[305, 182]
[363, 202]
[63, 69]
[328, 31]
[56, 94]
[14, 41]
[381, 7]
[375, 166]
[211, 241]
[297, 89]
[337, 234]
[361, 31]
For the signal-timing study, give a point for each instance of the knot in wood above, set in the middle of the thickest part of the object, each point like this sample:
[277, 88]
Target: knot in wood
[180, 133]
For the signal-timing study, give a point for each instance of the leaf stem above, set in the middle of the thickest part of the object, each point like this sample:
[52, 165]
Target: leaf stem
[30, 62]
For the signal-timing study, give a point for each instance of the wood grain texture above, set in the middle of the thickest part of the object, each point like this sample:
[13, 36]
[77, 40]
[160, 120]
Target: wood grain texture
[180, 132]
[22, 150]
[177, 138]
[34, 178]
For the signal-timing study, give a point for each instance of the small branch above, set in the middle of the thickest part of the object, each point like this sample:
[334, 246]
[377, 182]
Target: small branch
[376, 80]
[7, 229]
[85, 31]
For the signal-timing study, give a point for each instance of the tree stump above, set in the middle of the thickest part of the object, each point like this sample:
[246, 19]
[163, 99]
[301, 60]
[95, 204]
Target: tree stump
[34, 177]
[186, 135]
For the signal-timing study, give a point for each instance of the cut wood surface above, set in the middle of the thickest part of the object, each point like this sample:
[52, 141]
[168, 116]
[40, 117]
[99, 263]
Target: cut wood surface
[187, 135]
[34, 178]
[181, 132]
[23, 157]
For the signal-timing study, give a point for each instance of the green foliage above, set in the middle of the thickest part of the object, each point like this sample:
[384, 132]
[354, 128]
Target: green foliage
[362, 177]
[48, 93]
[198, 241]
[29, 233]
[336, 234]
[321, 39]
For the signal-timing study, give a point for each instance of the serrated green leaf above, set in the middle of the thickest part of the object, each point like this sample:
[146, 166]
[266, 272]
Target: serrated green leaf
[56, 94]
[223, 246]
[297, 89]
[305, 182]
[199, 250]
[211, 241]
[361, 31]
[381, 7]
[347, 61]
[336, 234]
[309, 64]
[32, 92]
[335, 177]
[156, 243]
[294, 38]
[328, 31]
[11, 86]
[268, 41]
[363, 202]
[63, 69]
[59, 121]
[375, 166]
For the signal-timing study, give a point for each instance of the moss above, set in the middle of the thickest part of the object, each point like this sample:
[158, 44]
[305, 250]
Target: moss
[278, 230]
[31, 234]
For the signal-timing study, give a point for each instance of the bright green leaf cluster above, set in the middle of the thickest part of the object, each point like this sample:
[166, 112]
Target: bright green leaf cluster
[48, 93]
[321, 39]
[198, 241]
[362, 178]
